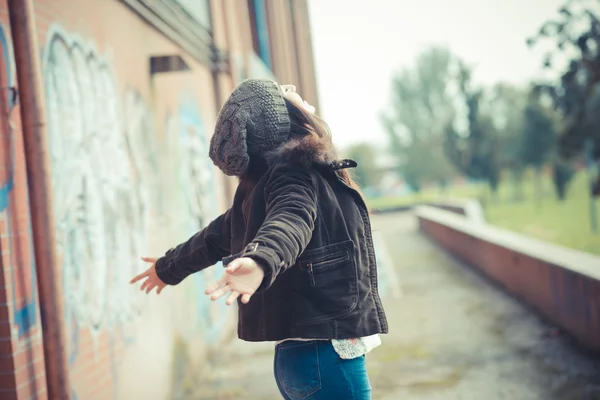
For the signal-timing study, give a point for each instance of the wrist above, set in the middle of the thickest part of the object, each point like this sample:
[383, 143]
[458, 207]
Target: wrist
[166, 271]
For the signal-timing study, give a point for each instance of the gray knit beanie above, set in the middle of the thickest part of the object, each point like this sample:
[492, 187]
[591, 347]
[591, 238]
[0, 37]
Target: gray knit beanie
[253, 120]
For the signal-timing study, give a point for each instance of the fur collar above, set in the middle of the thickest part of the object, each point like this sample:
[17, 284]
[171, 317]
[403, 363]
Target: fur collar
[306, 151]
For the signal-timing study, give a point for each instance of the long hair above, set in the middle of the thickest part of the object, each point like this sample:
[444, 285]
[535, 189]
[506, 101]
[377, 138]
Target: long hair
[302, 124]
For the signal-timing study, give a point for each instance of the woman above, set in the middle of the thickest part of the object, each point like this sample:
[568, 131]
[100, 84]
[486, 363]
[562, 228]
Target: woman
[296, 244]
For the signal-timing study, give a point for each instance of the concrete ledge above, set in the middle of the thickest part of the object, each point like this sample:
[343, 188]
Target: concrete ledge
[561, 283]
[469, 208]
[466, 207]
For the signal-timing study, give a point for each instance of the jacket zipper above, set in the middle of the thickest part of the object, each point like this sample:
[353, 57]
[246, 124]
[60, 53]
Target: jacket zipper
[311, 274]
[311, 271]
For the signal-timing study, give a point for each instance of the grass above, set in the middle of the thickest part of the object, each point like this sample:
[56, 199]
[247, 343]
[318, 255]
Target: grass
[566, 223]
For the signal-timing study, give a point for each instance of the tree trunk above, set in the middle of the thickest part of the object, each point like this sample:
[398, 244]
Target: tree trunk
[538, 186]
[517, 176]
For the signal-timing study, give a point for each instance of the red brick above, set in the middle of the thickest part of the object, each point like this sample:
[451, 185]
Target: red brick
[23, 358]
[27, 389]
[8, 394]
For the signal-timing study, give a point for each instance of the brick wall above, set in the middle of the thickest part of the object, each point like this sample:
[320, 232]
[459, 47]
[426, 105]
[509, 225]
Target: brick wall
[21, 352]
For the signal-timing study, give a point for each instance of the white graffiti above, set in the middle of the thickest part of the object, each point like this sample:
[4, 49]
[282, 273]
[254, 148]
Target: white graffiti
[100, 206]
[196, 172]
[190, 177]
[138, 199]
[193, 195]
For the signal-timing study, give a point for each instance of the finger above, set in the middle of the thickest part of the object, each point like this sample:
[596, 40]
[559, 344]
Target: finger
[150, 287]
[246, 298]
[232, 297]
[149, 259]
[140, 276]
[217, 294]
[233, 266]
[160, 288]
[145, 284]
[215, 285]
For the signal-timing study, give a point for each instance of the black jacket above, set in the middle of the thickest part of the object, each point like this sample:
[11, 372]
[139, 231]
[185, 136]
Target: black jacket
[311, 233]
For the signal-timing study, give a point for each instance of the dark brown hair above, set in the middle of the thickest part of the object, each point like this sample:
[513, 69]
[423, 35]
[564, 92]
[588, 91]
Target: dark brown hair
[303, 124]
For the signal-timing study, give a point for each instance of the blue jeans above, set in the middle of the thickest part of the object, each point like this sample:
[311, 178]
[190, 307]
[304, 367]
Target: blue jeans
[313, 370]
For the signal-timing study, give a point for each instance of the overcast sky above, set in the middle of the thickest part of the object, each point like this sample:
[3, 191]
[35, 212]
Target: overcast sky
[358, 45]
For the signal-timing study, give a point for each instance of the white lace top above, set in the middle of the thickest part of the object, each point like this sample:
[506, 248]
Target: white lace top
[349, 348]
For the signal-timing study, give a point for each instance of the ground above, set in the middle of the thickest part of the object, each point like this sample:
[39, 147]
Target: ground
[453, 335]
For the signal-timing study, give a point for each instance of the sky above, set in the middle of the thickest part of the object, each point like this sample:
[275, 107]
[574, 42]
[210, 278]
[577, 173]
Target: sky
[359, 44]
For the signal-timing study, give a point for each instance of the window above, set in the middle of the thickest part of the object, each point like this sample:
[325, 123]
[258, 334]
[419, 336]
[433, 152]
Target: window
[199, 9]
[260, 30]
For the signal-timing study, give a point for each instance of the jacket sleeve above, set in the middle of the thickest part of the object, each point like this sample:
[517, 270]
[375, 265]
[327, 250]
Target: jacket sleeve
[202, 250]
[291, 211]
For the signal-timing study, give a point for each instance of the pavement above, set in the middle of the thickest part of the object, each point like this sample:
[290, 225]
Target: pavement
[453, 335]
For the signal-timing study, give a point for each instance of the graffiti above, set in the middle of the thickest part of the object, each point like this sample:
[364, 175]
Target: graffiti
[7, 136]
[139, 196]
[100, 190]
[21, 265]
[72, 81]
[194, 194]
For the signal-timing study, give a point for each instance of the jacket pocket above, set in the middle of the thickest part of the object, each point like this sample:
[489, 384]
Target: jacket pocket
[327, 283]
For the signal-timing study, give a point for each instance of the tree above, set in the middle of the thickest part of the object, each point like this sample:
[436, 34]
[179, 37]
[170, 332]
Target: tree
[474, 151]
[562, 173]
[504, 104]
[367, 173]
[539, 137]
[415, 122]
[576, 31]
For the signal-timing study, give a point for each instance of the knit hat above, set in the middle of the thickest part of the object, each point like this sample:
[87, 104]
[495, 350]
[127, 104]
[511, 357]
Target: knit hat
[253, 120]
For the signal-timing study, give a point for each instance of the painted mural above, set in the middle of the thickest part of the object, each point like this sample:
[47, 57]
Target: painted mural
[106, 172]
[101, 204]
[194, 195]
[17, 257]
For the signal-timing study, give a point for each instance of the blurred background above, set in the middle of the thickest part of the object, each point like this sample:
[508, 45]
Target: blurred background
[476, 127]
[464, 100]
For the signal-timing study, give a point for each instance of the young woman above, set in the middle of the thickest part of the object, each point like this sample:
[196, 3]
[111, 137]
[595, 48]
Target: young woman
[296, 244]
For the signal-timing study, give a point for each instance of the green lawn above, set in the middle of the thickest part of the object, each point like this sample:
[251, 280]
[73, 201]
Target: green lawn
[567, 223]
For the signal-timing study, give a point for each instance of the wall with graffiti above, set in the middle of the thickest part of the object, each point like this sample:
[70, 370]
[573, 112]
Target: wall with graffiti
[194, 180]
[130, 177]
[116, 172]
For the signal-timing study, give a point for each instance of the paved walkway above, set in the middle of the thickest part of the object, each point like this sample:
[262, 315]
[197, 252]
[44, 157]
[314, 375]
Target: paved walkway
[453, 335]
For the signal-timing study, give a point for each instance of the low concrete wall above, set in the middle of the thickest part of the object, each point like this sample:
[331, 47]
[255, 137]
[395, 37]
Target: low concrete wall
[561, 283]
[469, 208]
[466, 207]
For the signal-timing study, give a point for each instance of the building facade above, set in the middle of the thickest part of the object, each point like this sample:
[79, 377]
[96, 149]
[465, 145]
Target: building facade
[131, 90]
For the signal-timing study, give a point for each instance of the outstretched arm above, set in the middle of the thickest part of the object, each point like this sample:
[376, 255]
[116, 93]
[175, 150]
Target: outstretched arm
[291, 205]
[202, 250]
[291, 202]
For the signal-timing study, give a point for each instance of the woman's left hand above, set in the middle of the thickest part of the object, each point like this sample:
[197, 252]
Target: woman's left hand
[152, 280]
[242, 277]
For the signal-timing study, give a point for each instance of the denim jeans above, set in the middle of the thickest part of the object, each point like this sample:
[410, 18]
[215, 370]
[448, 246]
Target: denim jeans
[313, 370]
